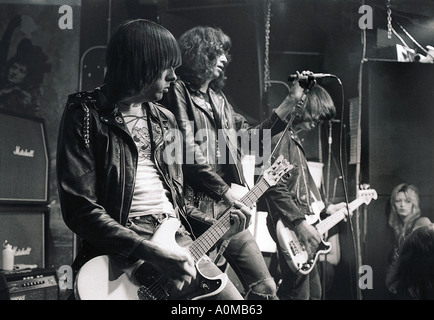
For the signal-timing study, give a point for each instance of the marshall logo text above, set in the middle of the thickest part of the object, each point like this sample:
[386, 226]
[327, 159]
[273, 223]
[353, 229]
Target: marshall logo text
[23, 152]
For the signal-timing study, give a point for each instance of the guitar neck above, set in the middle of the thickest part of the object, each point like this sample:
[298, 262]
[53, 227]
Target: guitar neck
[328, 223]
[214, 233]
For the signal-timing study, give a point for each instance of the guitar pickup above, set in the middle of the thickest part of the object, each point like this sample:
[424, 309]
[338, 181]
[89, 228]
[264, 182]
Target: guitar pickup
[294, 248]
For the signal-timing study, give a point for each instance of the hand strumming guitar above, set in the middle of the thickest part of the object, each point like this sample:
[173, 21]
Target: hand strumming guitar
[309, 236]
[176, 263]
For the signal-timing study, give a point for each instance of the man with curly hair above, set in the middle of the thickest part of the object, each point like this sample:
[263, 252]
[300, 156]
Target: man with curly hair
[206, 117]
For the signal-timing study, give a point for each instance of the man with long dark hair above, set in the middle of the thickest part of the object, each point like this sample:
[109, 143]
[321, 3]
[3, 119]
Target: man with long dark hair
[117, 191]
[294, 199]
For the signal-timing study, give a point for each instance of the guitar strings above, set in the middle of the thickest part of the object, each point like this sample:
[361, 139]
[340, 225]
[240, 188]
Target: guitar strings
[156, 286]
[156, 289]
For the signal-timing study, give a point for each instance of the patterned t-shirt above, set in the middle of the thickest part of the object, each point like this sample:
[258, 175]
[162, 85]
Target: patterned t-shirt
[150, 195]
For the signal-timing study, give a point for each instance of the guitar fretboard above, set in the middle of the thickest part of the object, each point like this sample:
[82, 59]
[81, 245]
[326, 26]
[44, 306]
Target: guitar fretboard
[214, 233]
[328, 223]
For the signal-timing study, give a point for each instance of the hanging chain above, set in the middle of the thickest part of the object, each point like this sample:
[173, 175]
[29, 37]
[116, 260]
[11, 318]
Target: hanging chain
[267, 18]
[389, 19]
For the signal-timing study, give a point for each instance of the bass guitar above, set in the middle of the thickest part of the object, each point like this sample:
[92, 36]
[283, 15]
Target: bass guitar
[296, 254]
[103, 278]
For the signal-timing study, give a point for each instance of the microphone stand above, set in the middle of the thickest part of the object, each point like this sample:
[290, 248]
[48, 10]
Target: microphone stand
[300, 104]
[329, 158]
[327, 201]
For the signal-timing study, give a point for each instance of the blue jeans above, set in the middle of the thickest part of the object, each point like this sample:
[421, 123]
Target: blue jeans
[245, 258]
[147, 225]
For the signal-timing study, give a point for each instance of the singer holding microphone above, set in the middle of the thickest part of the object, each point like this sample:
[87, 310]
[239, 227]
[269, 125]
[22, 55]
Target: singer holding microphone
[293, 198]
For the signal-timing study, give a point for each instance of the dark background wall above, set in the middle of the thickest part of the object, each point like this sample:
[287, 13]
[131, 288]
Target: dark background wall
[397, 147]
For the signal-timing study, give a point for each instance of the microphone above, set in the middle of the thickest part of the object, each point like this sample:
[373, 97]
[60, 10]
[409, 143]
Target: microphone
[307, 77]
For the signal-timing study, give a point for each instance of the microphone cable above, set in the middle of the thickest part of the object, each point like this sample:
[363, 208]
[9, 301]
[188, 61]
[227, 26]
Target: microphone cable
[344, 180]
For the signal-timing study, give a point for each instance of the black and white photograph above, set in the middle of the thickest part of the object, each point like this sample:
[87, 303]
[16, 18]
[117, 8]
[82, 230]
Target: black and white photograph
[231, 152]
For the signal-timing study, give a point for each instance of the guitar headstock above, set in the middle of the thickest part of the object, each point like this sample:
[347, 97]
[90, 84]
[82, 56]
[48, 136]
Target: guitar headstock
[280, 167]
[366, 193]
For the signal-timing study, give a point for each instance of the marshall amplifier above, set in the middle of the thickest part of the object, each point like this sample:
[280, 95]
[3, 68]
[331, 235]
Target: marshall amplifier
[24, 163]
[37, 284]
[25, 228]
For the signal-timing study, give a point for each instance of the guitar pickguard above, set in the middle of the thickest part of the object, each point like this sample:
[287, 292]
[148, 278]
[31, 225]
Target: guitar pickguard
[306, 267]
[295, 253]
[151, 285]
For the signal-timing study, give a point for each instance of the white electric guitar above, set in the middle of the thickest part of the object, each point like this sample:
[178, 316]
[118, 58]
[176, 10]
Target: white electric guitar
[295, 253]
[102, 278]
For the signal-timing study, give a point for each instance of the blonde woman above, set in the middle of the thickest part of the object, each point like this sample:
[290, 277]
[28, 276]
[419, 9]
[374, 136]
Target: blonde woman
[405, 214]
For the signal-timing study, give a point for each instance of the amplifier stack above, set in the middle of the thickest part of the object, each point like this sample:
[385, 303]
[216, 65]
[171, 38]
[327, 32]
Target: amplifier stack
[24, 210]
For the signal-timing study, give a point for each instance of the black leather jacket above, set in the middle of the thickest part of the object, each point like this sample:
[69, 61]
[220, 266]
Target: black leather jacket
[96, 169]
[291, 198]
[192, 115]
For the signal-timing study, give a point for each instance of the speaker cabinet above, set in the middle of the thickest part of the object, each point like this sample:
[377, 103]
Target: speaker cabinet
[397, 146]
[24, 164]
[37, 284]
[398, 117]
[25, 228]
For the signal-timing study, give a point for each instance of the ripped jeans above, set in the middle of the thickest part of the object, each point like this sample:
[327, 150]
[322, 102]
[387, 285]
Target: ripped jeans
[246, 259]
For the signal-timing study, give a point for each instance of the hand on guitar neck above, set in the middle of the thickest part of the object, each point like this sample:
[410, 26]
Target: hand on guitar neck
[332, 208]
[239, 219]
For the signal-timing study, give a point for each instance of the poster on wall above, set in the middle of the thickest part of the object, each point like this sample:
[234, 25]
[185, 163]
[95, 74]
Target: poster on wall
[39, 43]
[39, 66]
